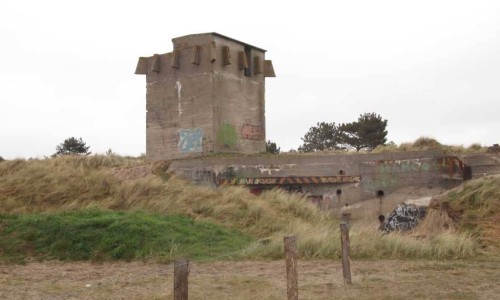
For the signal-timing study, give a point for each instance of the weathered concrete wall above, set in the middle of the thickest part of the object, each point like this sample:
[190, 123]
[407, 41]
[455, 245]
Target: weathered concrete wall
[483, 164]
[332, 178]
[175, 124]
[239, 120]
[203, 98]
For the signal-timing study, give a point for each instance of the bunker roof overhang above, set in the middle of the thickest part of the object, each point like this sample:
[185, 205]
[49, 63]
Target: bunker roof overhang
[221, 36]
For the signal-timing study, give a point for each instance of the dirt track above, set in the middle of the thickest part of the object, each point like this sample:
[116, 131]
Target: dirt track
[384, 279]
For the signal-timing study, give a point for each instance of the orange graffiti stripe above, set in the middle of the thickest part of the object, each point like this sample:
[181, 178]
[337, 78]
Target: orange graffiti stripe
[290, 180]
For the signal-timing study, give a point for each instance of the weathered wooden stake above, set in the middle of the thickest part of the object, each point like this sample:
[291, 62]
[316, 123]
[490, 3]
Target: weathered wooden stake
[181, 272]
[291, 253]
[346, 218]
[346, 262]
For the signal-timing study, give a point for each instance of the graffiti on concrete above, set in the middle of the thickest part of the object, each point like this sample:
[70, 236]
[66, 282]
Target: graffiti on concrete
[190, 140]
[451, 166]
[227, 136]
[403, 165]
[448, 165]
[252, 132]
[371, 184]
[404, 217]
[290, 180]
[178, 87]
[387, 172]
[270, 169]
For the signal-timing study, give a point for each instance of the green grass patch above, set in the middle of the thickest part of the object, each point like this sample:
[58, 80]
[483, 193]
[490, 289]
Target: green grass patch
[95, 234]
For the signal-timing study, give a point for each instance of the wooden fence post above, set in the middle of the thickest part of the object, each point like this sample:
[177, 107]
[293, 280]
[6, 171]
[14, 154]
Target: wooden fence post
[346, 218]
[181, 272]
[346, 263]
[291, 253]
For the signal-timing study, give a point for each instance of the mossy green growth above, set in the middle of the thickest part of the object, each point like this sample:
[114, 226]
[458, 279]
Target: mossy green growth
[227, 136]
[103, 235]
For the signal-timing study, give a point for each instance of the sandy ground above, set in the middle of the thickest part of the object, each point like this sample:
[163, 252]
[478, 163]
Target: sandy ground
[382, 279]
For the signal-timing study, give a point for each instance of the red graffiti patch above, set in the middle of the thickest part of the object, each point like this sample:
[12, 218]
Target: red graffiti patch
[252, 132]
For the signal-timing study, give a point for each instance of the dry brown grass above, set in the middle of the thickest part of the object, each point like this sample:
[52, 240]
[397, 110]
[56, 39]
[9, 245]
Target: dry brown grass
[480, 202]
[427, 143]
[79, 182]
[472, 209]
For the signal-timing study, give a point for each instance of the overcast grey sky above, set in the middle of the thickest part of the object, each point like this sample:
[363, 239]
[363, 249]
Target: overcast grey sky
[432, 68]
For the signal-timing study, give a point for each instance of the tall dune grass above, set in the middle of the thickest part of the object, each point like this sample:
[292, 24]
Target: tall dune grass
[478, 201]
[427, 143]
[68, 183]
[316, 241]
[79, 182]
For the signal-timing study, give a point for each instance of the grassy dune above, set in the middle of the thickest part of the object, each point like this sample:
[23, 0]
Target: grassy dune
[99, 235]
[127, 185]
[68, 183]
[426, 143]
[478, 204]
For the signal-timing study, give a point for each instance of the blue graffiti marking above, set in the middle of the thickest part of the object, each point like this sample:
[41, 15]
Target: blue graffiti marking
[190, 140]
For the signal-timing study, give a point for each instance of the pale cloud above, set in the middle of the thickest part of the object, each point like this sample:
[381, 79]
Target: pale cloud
[430, 67]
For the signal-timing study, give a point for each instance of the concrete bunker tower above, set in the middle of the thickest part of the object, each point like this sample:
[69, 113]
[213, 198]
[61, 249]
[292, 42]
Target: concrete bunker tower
[206, 96]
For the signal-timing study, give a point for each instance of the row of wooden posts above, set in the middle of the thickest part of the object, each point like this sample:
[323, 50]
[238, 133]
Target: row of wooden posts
[181, 266]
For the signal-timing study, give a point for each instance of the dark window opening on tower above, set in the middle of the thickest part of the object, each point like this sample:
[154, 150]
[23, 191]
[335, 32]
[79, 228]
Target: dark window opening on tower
[248, 54]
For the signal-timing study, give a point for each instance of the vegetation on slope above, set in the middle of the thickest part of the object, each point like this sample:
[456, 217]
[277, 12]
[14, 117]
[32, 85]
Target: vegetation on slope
[109, 235]
[66, 183]
[120, 184]
[472, 209]
[426, 143]
[478, 204]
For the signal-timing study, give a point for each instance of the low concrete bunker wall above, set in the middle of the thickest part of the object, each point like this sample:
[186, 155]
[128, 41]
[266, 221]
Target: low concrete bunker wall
[329, 179]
